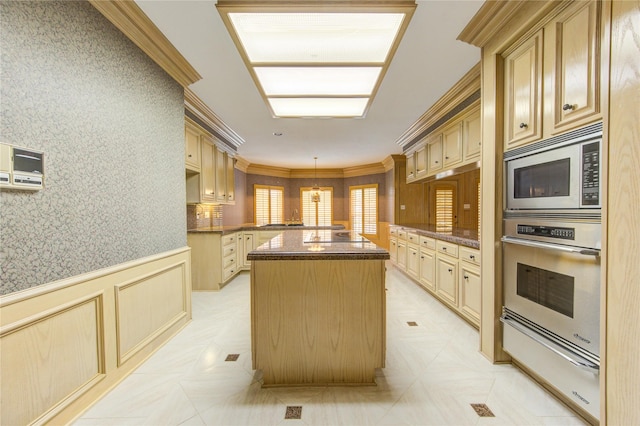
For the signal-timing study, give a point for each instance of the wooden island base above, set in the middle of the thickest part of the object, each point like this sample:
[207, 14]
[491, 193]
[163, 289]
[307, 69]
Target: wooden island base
[318, 322]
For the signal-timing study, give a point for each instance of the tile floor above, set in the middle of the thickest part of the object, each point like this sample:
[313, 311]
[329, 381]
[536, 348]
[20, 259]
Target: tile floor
[433, 375]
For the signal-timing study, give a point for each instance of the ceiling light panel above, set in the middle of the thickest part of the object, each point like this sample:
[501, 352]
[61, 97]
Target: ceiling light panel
[318, 81]
[317, 58]
[317, 37]
[318, 107]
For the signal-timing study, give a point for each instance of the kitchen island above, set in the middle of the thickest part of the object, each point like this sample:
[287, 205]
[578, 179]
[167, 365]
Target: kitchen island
[318, 309]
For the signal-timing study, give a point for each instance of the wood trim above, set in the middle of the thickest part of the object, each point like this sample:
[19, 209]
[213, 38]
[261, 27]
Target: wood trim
[258, 169]
[389, 162]
[66, 333]
[241, 164]
[367, 169]
[465, 87]
[364, 170]
[132, 21]
[194, 104]
[313, 173]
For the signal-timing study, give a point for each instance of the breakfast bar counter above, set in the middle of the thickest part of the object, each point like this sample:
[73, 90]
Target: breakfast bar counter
[318, 308]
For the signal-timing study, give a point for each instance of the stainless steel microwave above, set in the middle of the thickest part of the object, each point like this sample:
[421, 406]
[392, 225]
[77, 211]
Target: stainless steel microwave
[562, 173]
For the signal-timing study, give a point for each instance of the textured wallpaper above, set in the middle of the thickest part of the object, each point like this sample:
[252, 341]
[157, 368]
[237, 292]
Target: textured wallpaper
[111, 125]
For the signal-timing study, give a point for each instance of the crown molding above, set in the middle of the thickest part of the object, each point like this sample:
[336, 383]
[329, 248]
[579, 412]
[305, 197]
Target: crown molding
[388, 163]
[364, 170]
[127, 16]
[463, 89]
[259, 169]
[367, 169]
[194, 104]
[241, 164]
[494, 16]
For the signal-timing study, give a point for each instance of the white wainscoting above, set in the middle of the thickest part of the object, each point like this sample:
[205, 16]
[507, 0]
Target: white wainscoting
[65, 344]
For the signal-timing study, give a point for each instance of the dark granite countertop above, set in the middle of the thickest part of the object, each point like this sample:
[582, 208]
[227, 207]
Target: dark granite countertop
[229, 229]
[463, 237]
[318, 244]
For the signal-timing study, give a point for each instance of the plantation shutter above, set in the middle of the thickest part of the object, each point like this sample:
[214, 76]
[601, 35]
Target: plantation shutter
[364, 209]
[320, 213]
[444, 208]
[269, 204]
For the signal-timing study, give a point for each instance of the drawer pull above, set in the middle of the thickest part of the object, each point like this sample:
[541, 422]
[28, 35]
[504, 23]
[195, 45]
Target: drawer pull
[466, 277]
[472, 257]
[567, 107]
[444, 249]
[450, 270]
[523, 125]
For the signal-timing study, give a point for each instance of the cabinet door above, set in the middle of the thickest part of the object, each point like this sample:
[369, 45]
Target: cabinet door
[191, 148]
[472, 137]
[411, 167]
[523, 93]
[447, 279]
[428, 269]
[435, 153]
[421, 162]
[572, 41]
[221, 174]
[247, 245]
[413, 262]
[402, 254]
[470, 291]
[207, 173]
[230, 180]
[452, 145]
[393, 250]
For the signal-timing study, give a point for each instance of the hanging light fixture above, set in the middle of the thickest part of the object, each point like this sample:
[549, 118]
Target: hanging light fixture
[315, 195]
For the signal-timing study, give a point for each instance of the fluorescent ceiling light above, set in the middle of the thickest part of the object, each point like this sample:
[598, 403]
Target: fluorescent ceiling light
[318, 107]
[317, 55]
[359, 81]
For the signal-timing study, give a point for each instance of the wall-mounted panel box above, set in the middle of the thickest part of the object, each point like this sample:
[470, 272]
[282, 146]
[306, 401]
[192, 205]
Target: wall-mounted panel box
[21, 168]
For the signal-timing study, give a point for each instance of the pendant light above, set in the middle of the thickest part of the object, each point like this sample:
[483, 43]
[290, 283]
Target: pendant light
[315, 195]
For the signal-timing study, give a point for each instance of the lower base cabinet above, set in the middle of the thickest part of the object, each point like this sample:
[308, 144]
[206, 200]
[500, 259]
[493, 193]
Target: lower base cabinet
[448, 271]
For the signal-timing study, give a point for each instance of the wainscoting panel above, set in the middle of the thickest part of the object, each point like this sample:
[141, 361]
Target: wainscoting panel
[148, 306]
[49, 358]
[63, 345]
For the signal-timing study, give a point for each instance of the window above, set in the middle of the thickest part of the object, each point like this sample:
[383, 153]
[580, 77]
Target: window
[444, 201]
[268, 204]
[320, 213]
[364, 209]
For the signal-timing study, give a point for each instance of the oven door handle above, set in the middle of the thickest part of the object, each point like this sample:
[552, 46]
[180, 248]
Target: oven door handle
[550, 246]
[574, 358]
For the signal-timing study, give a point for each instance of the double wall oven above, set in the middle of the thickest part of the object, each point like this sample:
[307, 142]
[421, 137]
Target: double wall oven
[551, 262]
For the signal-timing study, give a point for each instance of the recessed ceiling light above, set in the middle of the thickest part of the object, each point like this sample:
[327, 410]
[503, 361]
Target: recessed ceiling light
[317, 58]
[277, 133]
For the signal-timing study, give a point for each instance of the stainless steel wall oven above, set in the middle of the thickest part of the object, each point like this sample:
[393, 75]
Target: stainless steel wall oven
[551, 262]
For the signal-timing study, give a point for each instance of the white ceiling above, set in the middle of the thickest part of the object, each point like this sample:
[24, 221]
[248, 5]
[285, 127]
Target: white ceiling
[427, 63]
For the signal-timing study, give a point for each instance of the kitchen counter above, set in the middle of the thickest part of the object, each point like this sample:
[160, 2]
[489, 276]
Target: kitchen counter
[463, 237]
[318, 244]
[229, 229]
[318, 308]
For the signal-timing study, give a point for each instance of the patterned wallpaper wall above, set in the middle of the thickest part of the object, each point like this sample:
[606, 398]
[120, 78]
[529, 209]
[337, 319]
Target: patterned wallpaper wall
[111, 125]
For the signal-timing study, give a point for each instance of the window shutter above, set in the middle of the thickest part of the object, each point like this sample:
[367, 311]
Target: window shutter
[269, 204]
[363, 212]
[262, 206]
[444, 209]
[320, 213]
[370, 210]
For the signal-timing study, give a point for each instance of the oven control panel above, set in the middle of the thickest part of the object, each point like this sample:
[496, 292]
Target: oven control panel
[591, 174]
[547, 231]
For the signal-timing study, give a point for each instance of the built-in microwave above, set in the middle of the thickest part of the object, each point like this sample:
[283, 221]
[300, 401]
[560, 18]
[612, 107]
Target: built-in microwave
[561, 173]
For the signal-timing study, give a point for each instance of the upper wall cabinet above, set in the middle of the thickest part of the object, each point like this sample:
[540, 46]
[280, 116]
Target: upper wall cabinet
[452, 145]
[523, 93]
[212, 181]
[572, 40]
[560, 63]
[192, 147]
[472, 136]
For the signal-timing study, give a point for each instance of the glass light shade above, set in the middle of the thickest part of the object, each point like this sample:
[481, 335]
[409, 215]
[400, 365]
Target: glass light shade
[317, 37]
[318, 107]
[358, 81]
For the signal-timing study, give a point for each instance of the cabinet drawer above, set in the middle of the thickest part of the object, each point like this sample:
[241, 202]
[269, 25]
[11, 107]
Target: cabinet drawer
[229, 272]
[413, 238]
[470, 255]
[228, 239]
[402, 234]
[228, 250]
[393, 232]
[447, 248]
[427, 242]
[229, 261]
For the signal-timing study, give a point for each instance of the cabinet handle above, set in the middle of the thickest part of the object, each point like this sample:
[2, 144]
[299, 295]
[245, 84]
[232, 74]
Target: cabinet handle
[466, 277]
[446, 158]
[523, 125]
[189, 155]
[450, 270]
[436, 161]
[444, 249]
[421, 257]
[472, 257]
[567, 107]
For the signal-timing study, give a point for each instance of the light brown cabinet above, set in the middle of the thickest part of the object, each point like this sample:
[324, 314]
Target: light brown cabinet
[212, 181]
[446, 279]
[411, 167]
[452, 145]
[472, 136]
[470, 284]
[413, 261]
[523, 93]
[421, 162]
[192, 147]
[552, 78]
[434, 144]
[428, 268]
[214, 259]
[572, 57]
